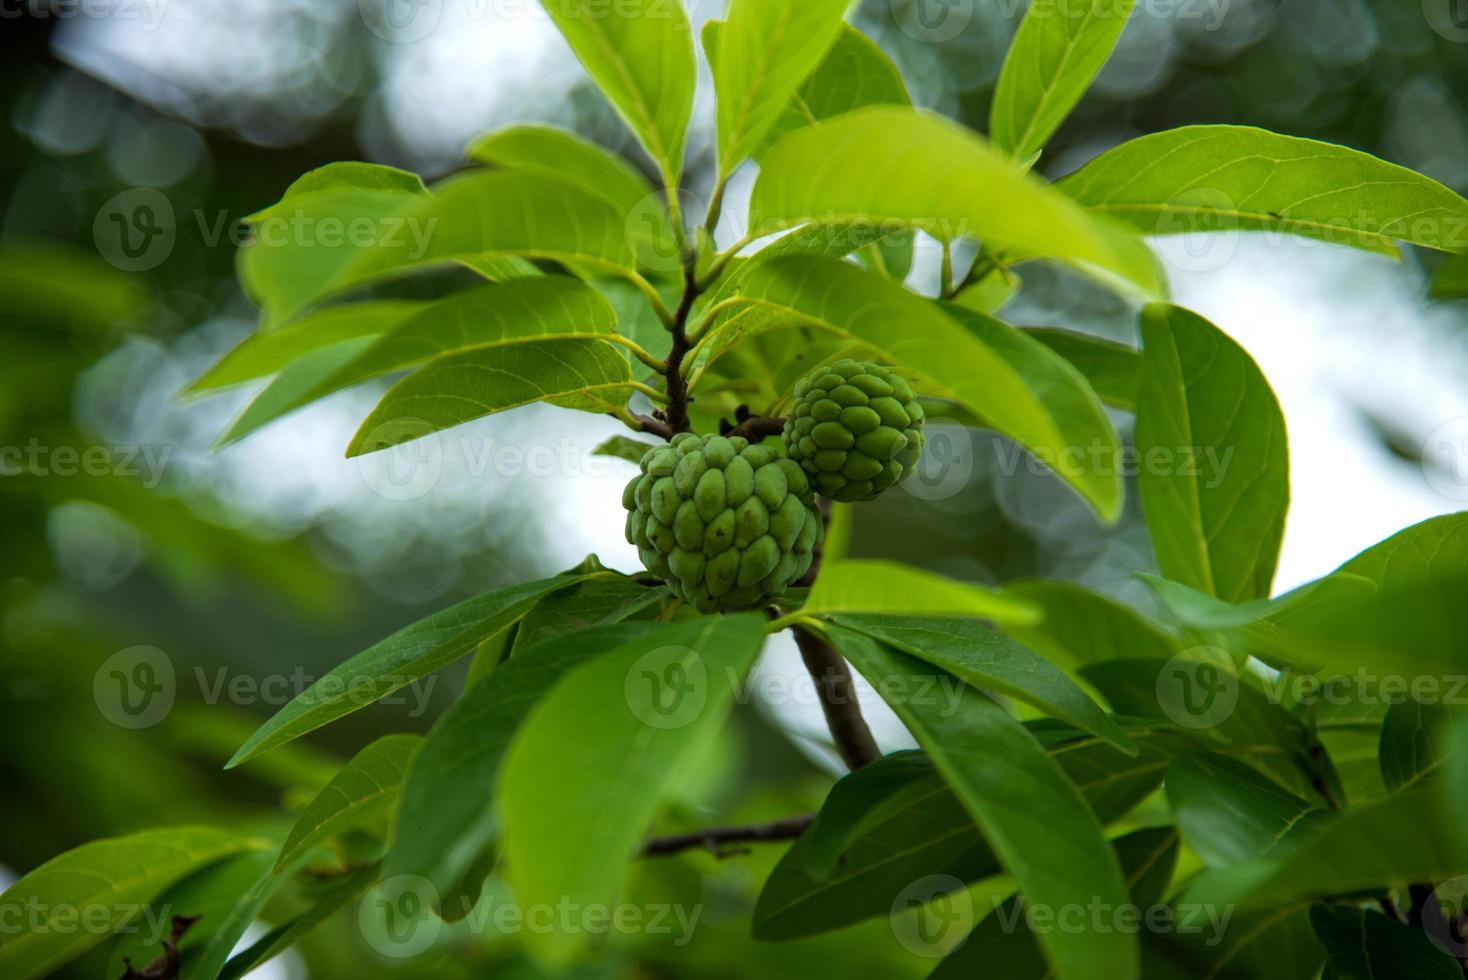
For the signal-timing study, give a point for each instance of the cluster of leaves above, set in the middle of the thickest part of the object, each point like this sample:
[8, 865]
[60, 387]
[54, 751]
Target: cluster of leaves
[1326, 828]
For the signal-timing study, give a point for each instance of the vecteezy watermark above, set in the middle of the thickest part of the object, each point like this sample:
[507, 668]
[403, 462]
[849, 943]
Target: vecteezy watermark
[1449, 18]
[1208, 464]
[931, 916]
[946, 465]
[36, 459]
[667, 687]
[1105, 918]
[406, 21]
[1445, 917]
[1198, 688]
[1445, 458]
[1366, 689]
[148, 13]
[936, 21]
[135, 230]
[33, 916]
[137, 687]
[398, 920]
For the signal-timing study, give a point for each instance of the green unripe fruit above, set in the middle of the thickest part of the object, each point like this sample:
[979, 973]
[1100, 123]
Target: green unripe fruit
[855, 429]
[727, 525]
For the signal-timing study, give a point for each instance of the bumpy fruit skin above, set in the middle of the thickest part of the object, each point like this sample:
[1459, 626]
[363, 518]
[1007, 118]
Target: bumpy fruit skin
[725, 524]
[855, 428]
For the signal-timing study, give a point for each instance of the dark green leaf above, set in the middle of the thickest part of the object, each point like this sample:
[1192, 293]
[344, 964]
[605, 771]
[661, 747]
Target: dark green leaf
[1229, 814]
[1411, 737]
[336, 895]
[1113, 370]
[1364, 945]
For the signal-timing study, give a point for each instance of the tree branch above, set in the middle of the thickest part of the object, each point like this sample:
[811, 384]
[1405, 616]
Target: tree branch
[837, 690]
[755, 427]
[713, 838]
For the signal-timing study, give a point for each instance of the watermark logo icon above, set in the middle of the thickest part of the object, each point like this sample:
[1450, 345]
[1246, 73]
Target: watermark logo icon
[1198, 688]
[401, 21]
[135, 688]
[135, 230]
[397, 918]
[933, 21]
[411, 464]
[1445, 915]
[931, 916]
[946, 465]
[667, 687]
[1448, 18]
[1445, 458]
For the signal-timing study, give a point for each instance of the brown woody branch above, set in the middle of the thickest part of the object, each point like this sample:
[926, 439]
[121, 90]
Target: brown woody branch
[714, 839]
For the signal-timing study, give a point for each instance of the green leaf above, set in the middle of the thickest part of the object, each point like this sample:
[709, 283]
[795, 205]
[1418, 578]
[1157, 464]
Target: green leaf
[1011, 381]
[300, 243]
[1229, 814]
[640, 54]
[891, 164]
[492, 315]
[445, 816]
[1057, 52]
[335, 896]
[1216, 506]
[862, 801]
[1215, 178]
[871, 586]
[1003, 945]
[411, 653]
[562, 154]
[1085, 627]
[1365, 945]
[619, 734]
[990, 661]
[366, 787]
[579, 373]
[766, 49]
[262, 354]
[1113, 370]
[106, 880]
[624, 448]
[1450, 281]
[927, 832]
[1004, 777]
[1411, 737]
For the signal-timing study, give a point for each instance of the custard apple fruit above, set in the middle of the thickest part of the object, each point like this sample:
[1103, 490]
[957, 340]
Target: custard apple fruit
[725, 524]
[855, 428]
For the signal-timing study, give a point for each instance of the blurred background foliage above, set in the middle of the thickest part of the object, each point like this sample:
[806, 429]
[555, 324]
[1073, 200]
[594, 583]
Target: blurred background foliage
[277, 556]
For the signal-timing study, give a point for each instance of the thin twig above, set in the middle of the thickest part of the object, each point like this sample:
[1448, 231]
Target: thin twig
[757, 427]
[714, 838]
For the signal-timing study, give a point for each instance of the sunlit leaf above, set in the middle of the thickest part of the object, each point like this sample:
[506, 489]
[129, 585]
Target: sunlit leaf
[872, 586]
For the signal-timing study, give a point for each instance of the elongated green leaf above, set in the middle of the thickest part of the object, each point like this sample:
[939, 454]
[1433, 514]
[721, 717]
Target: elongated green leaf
[593, 603]
[1009, 380]
[492, 315]
[1083, 627]
[1003, 945]
[1113, 370]
[576, 373]
[262, 354]
[409, 654]
[1229, 814]
[563, 154]
[1057, 52]
[445, 816]
[1435, 548]
[1003, 777]
[336, 895]
[766, 49]
[640, 54]
[1364, 945]
[226, 933]
[989, 660]
[301, 243]
[364, 788]
[570, 838]
[1216, 506]
[1211, 178]
[863, 801]
[1411, 740]
[927, 831]
[107, 881]
[894, 164]
[871, 586]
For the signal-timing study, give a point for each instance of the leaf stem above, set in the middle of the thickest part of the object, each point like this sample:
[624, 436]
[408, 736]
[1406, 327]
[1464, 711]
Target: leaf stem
[714, 838]
[716, 267]
[642, 353]
[648, 290]
[652, 393]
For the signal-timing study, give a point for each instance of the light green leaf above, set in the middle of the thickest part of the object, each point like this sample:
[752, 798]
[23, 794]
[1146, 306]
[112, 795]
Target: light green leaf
[1229, 814]
[996, 372]
[1216, 506]
[338, 894]
[872, 586]
[262, 354]
[617, 744]
[1113, 370]
[445, 816]
[640, 54]
[1057, 52]
[1411, 737]
[366, 787]
[411, 653]
[1366, 945]
[1214, 178]
[107, 879]
[1004, 777]
[579, 373]
[300, 244]
[562, 154]
[885, 164]
[766, 49]
[1084, 627]
[492, 315]
[990, 661]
